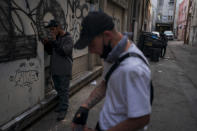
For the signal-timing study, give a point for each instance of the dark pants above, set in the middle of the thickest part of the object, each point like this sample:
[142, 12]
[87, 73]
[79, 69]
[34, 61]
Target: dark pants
[61, 84]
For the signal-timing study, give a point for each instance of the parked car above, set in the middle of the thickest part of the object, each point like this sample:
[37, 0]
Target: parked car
[169, 34]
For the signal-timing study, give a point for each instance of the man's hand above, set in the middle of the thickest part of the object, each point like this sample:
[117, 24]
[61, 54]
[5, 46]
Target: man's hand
[81, 116]
[45, 40]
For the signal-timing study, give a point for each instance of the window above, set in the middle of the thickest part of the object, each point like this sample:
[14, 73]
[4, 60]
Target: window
[171, 2]
[161, 2]
[170, 18]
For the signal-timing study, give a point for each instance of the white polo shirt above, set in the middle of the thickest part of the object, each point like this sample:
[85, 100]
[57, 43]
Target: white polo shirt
[128, 91]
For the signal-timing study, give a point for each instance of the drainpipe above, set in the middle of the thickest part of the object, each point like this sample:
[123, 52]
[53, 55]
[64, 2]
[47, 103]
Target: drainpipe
[174, 15]
[142, 23]
[91, 57]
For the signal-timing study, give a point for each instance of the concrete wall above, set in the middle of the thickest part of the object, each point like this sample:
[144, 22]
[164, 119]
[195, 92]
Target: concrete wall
[117, 9]
[176, 17]
[23, 62]
[148, 17]
[154, 13]
[182, 18]
[24, 66]
[22, 80]
[193, 28]
[139, 20]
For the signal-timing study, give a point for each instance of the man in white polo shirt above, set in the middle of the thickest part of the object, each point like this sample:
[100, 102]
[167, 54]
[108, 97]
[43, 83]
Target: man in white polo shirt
[127, 93]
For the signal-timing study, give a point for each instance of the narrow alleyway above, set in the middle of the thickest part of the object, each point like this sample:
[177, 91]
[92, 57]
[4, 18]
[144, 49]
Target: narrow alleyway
[175, 103]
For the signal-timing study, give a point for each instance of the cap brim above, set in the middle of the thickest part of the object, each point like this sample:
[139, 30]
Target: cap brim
[82, 43]
[47, 26]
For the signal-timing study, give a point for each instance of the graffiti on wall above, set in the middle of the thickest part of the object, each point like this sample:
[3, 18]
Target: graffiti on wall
[14, 44]
[25, 75]
[117, 20]
[12, 24]
[52, 7]
[117, 23]
[122, 3]
[70, 18]
[75, 12]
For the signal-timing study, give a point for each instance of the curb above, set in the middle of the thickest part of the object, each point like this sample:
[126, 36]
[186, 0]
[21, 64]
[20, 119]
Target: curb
[20, 122]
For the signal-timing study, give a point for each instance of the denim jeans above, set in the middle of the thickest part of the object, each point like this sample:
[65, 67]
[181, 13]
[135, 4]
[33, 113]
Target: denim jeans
[61, 84]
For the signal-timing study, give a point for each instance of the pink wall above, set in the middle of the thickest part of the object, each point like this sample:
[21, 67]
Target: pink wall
[182, 18]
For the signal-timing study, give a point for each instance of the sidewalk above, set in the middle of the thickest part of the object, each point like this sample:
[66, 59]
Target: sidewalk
[49, 122]
[38, 110]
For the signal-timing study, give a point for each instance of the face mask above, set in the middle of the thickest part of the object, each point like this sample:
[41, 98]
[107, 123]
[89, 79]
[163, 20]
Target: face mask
[106, 50]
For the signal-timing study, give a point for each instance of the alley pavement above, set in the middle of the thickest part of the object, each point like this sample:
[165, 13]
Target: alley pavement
[175, 80]
[175, 102]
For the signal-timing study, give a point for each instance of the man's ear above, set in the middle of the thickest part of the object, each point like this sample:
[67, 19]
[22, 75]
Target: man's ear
[108, 34]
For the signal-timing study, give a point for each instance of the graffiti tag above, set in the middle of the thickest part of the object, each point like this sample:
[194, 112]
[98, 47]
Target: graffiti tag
[25, 78]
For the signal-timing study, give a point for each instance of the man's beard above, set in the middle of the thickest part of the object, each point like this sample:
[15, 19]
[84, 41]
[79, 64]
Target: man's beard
[106, 50]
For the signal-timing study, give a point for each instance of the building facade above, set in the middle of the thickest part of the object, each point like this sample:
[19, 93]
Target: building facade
[139, 17]
[176, 17]
[25, 80]
[154, 14]
[165, 15]
[193, 25]
[182, 19]
[24, 65]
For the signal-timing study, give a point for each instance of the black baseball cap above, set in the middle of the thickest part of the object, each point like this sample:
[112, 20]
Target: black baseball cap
[93, 24]
[52, 23]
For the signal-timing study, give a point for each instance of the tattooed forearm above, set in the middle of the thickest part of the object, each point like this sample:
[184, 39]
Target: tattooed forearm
[97, 95]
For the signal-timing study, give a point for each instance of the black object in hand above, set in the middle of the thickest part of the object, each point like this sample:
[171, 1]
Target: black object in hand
[81, 116]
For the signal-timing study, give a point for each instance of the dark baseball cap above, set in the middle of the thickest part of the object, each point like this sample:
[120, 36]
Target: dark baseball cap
[52, 23]
[92, 25]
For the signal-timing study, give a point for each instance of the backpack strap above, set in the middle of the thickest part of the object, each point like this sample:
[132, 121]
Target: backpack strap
[117, 63]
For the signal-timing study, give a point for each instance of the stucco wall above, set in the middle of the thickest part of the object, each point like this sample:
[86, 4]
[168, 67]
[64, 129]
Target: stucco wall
[182, 18]
[193, 30]
[22, 77]
[23, 62]
[22, 58]
[117, 14]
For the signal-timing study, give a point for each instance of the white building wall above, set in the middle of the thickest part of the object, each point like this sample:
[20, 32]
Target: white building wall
[165, 12]
[154, 13]
[22, 81]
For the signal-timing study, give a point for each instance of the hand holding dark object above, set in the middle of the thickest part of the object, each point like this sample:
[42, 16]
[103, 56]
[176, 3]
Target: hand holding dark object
[45, 40]
[81, 116]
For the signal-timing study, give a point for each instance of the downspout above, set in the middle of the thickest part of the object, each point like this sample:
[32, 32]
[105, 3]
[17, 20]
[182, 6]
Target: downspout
[174, 15]
[142, 23]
